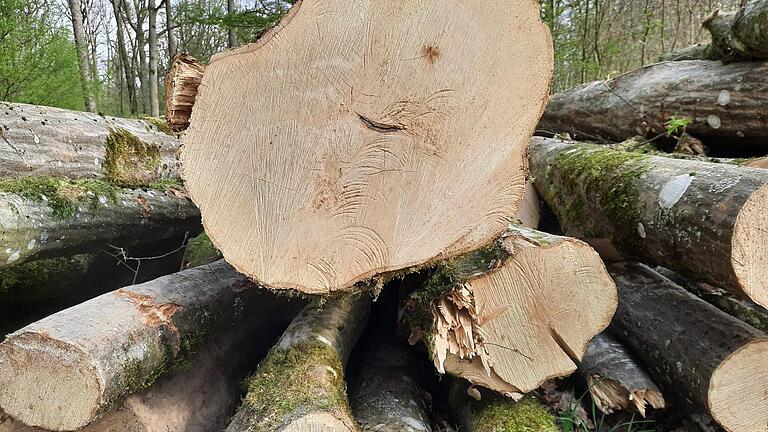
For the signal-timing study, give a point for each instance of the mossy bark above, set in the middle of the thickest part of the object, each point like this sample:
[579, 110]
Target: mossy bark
[682, 214]
[724, 102]
[300, 385]
[116, 344]
[45, 141]
[200, 250]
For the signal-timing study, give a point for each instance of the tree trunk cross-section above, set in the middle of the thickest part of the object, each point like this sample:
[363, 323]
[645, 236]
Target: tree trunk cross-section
[693, 349]
[705, 220]
[516, 314]
[332, 149]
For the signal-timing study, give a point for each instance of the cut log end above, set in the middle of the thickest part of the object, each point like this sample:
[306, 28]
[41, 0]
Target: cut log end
[737, 389]
[749, 255]
[63, 381]
[610, 396]
[320, 422]
[348, 176]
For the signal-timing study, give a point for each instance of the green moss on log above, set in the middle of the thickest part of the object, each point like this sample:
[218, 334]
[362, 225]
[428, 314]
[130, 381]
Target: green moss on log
[503, 415]
[130, 162]
[62, 195]
[200, 250]
[290, 383]
[42, 280]
[160, 124]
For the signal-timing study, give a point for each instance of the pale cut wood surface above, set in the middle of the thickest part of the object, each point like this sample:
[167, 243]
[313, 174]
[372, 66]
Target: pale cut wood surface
[363, 137]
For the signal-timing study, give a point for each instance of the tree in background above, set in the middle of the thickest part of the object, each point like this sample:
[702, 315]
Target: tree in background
[81, 45]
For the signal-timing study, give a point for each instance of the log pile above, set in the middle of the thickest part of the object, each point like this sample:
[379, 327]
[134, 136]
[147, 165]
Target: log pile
[377, 207]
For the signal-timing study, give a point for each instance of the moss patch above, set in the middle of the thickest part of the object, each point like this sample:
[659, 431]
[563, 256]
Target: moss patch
[130, 162]
[200, 250]
[42, 280]
[289, 383]
[160, 124]
[62, 195]
[503, 415]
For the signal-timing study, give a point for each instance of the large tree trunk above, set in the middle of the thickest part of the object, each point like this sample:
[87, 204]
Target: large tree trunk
[705, 220]
[82, 54]
[154, 97]
[616, 380]
[231, 34]
[44, 141]
[714, 361]
[64, 371]
[516, 314]
[353, 172]
[494, 413]
[725, 103]
[387, 396]
[300, 386]
[181, 84]
[201, 396]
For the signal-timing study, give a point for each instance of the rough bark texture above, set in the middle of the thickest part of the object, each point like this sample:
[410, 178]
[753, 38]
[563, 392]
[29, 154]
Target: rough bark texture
[714, 361]
[515, 314]
[725, 102]
[154, 99]
[48, 217]
[616, 380]
[62, 372]
[201, 395]
[348, 132]
[300, 386]
[702, 219]
[181, 85]
[44, 141]
[496, 414]
[387, 396]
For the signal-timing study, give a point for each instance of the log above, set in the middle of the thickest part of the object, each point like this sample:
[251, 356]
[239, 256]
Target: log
[724, 102]
[181, 83]
[515, 314]
[736, 36]
[616, 381]
[369, 133]
[63, 371]
[705, 220]
[300, 386]
[201, 396]
[714, 361]
[388, 395]
[529, 213]
[46, 217]
[44, 141]
[497, 414]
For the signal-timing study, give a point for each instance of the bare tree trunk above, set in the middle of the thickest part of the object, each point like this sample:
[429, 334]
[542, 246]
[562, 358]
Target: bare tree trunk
[231, 36]
[169, 29]
[153, 53]
[82, 54]
[130, 81]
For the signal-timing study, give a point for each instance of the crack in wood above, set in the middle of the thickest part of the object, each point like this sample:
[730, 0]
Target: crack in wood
[378, 126]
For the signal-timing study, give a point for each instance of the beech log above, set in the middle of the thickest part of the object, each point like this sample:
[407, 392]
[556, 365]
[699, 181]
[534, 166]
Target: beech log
[181, 85]
[201, 395]
[715, 362]
[616, 381]
[492, 413]
[344, 136]
[80, 217]
[300, 386]
[387, 396]
[702, 219]
[44, 141]
[64, 371]
[515, 314]
[724, 102]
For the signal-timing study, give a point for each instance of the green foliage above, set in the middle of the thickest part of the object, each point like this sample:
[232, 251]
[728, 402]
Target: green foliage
[38, 61]
[676, 126]
[570, 420]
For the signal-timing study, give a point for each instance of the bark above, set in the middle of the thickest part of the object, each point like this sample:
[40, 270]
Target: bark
[169, 28]
[201, 396]
[44, 141]
[702, 219]
[724, 102]
[130, 79]
[300, 385]
[82, 54]
[529, 213]
[616, 380]
[513, 315]
[116, 344]
[494, 413]
[94, 219]
[715, 362]
[231, 34]
[154, 98]
[377, 159]
[181, 84]
[387, 396]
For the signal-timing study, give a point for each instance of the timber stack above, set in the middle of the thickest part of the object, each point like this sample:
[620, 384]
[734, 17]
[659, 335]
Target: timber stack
[336, 228]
